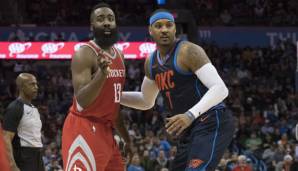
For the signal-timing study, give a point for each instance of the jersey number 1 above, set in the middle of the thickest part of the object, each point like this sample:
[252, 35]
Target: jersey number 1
[117, 90]
[168, 94]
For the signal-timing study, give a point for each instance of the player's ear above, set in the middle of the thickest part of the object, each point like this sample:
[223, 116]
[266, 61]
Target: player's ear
[175, 29]
[150, 32]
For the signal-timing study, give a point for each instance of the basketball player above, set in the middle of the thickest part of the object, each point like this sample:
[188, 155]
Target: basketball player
[182, 72]
[4, 162]
[98, 76]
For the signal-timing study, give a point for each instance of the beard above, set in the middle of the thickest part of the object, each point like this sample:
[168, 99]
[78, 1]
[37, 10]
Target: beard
[105, 40]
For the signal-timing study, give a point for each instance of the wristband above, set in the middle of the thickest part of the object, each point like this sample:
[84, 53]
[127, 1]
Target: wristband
[190, 115]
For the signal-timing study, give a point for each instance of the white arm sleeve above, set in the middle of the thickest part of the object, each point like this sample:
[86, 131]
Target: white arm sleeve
[143, 100]
[217, 90]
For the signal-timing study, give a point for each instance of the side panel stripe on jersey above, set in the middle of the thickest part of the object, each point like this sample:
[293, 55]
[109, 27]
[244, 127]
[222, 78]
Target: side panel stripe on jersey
[178, 69]
[151, 59]
[198, 89]
[214, 141]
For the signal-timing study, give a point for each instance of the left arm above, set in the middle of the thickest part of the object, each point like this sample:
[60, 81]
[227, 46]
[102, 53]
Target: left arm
[194, 58]
[198, 62]
[217, 90]
[120, 127]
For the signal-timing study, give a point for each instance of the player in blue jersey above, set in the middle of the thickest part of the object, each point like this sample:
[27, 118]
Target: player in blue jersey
[182, 72]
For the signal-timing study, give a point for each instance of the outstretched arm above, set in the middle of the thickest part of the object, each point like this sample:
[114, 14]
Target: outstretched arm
[143, 100]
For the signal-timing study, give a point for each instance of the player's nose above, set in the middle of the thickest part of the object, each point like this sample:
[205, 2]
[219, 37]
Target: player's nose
[107, 24]
[164, 29]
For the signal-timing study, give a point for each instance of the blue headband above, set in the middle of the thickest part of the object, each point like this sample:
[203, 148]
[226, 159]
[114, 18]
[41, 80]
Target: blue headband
[161, 15]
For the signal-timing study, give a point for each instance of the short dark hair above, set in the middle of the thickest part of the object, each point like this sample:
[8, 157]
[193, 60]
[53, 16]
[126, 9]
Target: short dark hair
[159, 10]
[99, 5]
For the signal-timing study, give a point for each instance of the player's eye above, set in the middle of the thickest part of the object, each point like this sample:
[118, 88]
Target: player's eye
[100, 19]
[111, 19]
[169, 25]
[157, 26]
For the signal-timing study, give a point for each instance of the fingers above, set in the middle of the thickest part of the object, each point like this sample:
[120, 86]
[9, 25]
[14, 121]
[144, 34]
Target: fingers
[180, 130]
[170, 121]
[104, 64]
[173, 125]
[176, 125]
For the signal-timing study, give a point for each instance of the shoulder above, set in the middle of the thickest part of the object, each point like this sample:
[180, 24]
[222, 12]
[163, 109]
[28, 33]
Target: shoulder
[84, 57]
[85, 53]
[14, 110]
[16, 104]
[192, 56]
[12, 116]
[189, 49]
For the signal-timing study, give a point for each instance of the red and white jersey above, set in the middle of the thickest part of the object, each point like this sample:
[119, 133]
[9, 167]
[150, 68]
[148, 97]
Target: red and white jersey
[107, 103]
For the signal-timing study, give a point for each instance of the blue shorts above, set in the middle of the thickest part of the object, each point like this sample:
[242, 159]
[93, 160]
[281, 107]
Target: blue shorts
[203, 144]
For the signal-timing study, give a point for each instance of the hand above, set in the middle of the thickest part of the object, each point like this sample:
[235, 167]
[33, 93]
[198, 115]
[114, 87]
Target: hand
[177, 124]
[104, 63]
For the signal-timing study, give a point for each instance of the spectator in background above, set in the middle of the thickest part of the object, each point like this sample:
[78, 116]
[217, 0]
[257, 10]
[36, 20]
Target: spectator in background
[226, 17]
[135, 164]
[242, 164]
[146, 162]
[54, 166]
[254, 142]
[285, 165]
[161, 161]
[268, 155]
[294, 165]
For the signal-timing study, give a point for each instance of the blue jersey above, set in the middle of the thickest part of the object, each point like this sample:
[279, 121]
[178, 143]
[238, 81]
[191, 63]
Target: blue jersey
[182, 90]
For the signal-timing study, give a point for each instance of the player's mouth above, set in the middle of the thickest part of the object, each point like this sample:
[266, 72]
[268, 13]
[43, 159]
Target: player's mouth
[35, 93]
[108, 32]
[164, 38]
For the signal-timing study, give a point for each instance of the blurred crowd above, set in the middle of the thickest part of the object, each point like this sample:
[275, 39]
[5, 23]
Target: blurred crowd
[136, 12]
[262, 99]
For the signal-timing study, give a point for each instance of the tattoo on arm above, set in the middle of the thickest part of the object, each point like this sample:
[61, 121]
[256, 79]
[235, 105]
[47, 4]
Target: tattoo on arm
[196, 57]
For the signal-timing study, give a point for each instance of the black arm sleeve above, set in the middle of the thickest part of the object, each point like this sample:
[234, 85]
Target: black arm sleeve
[12, 116]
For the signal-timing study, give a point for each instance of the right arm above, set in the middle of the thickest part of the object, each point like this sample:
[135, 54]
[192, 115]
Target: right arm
[8, 137]
[145, 99]
[12, 117]
[86, 88]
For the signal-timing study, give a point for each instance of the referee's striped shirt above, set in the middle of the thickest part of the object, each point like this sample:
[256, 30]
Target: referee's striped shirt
[24, 120]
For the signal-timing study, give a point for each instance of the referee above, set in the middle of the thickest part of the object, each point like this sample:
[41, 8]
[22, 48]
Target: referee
[22, 127]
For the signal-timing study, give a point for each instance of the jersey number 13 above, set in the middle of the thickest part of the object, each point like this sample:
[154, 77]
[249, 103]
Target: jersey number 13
[117, 90]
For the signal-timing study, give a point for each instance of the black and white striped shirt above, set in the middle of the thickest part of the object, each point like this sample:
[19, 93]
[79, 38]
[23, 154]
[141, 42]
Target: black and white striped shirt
[24, 120]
